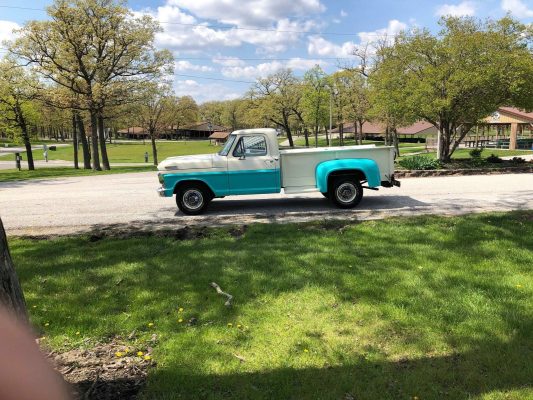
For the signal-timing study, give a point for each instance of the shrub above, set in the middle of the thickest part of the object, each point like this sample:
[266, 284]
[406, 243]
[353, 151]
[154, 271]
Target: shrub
[494, 159]
[518, 160]
[419, 162]
[476, 153]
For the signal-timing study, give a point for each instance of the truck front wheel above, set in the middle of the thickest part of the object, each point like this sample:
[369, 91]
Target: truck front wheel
[346, 192]
[192, 199]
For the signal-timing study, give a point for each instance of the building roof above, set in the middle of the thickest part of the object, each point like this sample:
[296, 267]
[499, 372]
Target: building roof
[219, 135]
[204, 127]
[134, 130]
[370, 128]
[518, 113]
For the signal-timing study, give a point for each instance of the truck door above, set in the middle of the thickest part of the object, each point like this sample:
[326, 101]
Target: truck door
[251, 168]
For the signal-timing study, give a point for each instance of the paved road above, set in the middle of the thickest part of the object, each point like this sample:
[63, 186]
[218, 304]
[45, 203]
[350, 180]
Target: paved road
[60, 206]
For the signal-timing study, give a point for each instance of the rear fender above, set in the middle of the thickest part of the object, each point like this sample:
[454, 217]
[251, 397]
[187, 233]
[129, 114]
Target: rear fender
[369, 168]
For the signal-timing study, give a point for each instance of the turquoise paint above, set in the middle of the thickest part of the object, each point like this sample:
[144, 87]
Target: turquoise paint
[225, 183]
[368, 167]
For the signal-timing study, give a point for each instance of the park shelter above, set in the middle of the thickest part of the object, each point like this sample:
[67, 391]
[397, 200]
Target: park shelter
[200, 130]
[134, 132]
[508, 127]
[218, 137]
[376, 130]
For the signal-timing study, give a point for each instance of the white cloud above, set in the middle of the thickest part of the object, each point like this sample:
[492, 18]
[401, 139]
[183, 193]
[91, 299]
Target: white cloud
[344, 14]
[202, 92]
[318, 46]
[184, 33]
[6, 30]
[250, 12]
[267, 68]
[517, 8]
[184, 65]
[466, 8]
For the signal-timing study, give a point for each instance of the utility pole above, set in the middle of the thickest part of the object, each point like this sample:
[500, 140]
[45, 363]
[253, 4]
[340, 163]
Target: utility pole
[330, 115]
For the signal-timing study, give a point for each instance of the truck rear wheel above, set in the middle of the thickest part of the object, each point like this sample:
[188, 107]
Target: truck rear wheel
[346, 192]
[192, 199]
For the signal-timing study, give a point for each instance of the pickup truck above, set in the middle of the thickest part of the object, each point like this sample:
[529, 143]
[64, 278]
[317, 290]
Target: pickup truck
[252, 163]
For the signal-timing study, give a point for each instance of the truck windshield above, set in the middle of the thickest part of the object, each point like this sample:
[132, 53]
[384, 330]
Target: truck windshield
[225, 150]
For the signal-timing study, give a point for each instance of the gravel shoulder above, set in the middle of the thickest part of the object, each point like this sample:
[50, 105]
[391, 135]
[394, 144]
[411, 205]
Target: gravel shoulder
[65, 206]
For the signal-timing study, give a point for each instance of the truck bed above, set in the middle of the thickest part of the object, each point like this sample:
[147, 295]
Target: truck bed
[298, 165]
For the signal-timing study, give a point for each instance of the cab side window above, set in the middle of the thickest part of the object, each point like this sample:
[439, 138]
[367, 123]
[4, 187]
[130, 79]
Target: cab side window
[251, 146]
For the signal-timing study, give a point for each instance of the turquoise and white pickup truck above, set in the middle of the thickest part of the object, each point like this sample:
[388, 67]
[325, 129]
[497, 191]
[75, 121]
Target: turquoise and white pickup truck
[252, 163]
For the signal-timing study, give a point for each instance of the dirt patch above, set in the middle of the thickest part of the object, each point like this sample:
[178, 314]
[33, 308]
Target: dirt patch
[105, 371]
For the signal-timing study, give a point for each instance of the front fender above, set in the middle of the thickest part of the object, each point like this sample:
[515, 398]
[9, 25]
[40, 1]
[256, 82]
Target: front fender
[368, 167]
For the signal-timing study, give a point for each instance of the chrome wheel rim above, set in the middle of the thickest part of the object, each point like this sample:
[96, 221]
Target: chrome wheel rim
[346, 192]
[193, 199]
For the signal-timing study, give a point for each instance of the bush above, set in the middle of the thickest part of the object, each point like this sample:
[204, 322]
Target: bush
[518, 160]
[494, 159]
[419, 162]
[476, 153]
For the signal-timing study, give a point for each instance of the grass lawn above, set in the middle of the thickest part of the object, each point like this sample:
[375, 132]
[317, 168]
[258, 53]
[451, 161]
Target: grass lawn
[7, 175]
[425, 307]
[132, 152]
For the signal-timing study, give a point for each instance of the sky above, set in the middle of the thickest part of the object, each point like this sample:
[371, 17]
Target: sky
[220, 46]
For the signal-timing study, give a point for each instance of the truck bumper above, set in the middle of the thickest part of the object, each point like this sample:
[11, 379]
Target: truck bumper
[164, 192]
[391, 183]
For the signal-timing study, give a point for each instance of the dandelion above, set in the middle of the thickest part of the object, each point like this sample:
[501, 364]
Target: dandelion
[78, 333]
[150, 324]
[127, 350]
[180, 320]
[147, 357]
[518, 286]
[239, 326]
[180, 309]
[118, 354]
[306, 350]
[140, 353]
[230, 324]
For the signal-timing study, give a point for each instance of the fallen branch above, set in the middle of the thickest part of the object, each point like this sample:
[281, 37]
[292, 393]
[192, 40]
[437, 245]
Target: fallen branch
[222, 293]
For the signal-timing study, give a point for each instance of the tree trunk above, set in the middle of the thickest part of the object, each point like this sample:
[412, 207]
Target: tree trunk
[84, 144]
[11, 295]
[27, 145]
[94, 141]
[288, 130]
[75, 141]
[154, 147]
[360, 132]
[306, 134]
[395, 141]
[341, 134]
[103, 148]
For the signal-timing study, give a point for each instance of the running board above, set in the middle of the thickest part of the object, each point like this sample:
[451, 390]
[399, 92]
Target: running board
[367, 187]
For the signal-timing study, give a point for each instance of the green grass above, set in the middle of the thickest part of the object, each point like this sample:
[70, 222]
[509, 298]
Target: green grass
[16, 175]
[132, 152]
[431, 307]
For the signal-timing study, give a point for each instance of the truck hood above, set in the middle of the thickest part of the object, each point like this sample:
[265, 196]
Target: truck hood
[200, 161]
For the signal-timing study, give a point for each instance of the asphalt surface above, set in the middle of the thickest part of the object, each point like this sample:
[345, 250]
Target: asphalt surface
[83, 204]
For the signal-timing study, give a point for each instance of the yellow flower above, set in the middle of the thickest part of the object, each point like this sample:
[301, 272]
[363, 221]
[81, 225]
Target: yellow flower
[518, 286]
[147, 357]
[140, 353]
[239, 326]
[127, 350]
[306, 351]
[46, 324]
[180, 309]
[77, 333]
[118, 354]
[180, 320]
[150, 324]
[230, 324]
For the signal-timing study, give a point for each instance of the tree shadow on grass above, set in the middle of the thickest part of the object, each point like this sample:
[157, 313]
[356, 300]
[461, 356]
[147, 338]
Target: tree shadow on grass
[430, 268]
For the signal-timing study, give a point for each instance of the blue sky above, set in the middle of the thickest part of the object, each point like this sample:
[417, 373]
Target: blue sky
[218, 43]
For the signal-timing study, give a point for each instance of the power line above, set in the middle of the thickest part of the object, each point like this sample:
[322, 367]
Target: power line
[227, 28]
[213, 79]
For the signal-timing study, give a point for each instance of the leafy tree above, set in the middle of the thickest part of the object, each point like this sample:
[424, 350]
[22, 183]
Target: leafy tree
[185, 112]
[315, 100]
[457, 77]
[277, 97]
[357, 102]
[212, 112]
[98, 50]
[17, 109]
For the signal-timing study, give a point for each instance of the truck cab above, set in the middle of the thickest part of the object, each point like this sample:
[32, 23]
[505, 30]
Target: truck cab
[252, 163]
